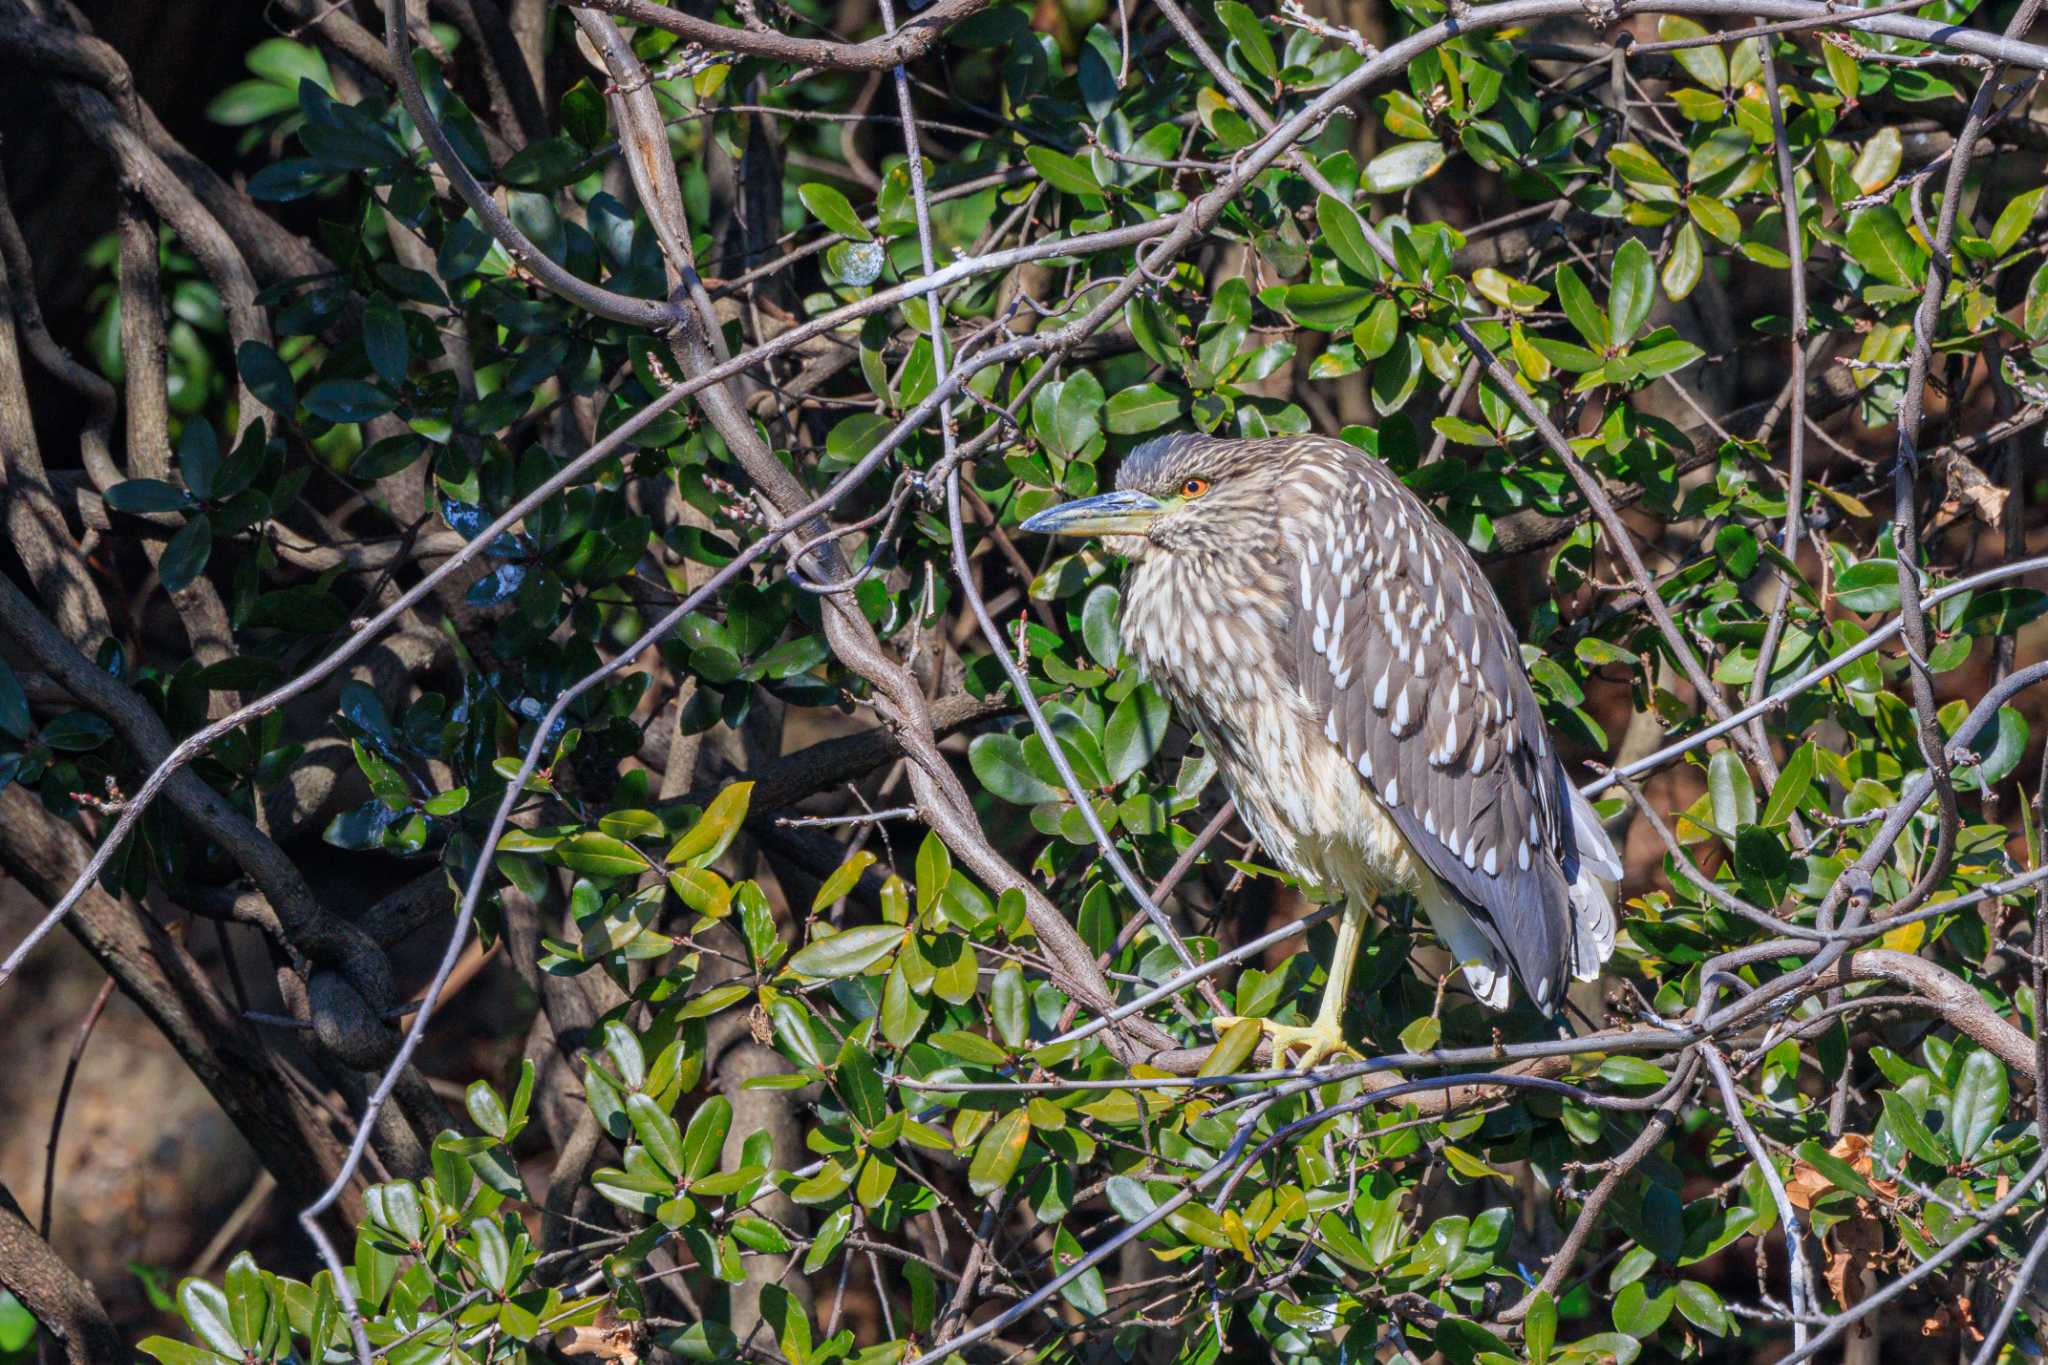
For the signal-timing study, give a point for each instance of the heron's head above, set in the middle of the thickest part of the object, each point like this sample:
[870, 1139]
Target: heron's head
[1179, 493]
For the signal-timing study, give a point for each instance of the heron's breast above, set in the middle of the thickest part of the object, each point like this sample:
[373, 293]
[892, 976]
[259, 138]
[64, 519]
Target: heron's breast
[1208, 627]
[1210, 635]
[1312, 813]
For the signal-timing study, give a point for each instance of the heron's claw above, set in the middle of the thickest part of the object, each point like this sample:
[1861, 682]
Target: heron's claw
[1314, 1041]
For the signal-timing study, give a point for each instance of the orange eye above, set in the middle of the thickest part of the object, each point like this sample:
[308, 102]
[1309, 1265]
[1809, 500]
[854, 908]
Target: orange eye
[1194, 488]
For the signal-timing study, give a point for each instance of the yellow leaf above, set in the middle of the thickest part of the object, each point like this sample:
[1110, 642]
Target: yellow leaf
[1494, 286]
[1878, 163]
[1471, 1167]
[1855, 507]
[1907, 938]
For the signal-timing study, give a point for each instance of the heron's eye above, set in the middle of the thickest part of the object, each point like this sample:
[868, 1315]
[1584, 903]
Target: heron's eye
[1194, 488]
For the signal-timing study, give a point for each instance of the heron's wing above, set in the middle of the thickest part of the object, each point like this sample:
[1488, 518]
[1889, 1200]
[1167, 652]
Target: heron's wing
[1407, 656]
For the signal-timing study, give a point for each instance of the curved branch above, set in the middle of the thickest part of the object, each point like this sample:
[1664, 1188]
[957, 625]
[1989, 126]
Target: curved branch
[325, 939]
[1953, 998]
[54, 1293]
[591, 298]
[908, 43]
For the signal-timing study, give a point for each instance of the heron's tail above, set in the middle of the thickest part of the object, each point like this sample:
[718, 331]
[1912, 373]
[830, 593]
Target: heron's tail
[1592, 893]
[1487, 970]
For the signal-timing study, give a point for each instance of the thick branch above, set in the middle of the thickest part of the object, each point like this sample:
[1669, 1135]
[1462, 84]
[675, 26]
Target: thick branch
[61, 1301]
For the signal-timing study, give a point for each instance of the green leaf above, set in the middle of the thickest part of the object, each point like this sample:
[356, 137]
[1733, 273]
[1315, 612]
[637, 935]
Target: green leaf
[1009, 1006]
[247, 102]
[1795, 779]
[206, 1311]
[2014, 219]
[1506, 291]
[1395, 374]
[1838, 1172]
[1714, 218]
[1344, 233]
[1464, 1342]
[1666, 357]
[998, 760]
[657, 1132]
[1134, 733]
[1140, 409]
[703, 891]
[486, 1109]
[1326, 307]
[1639, 167]
[760, 1235]
[969, 1047]
[860, 1085]
[831, 208]
[384, 341]
[171, 1351]
[1877, 164]
[1733, 795]
[1077, 412]
[143, 496]
[1881, 245]
[703, 1143]
[1635, 1263]
[1842, 71]
[1099, 625]
[1907, 1126]
[1869, 587]
[1423, 1033]
[1682, 267]
[76, 732]
[1586, 317]
[1381, 329]
[544, 166]
[1978, 1106]
[185, 556]
[1064, 173]
[248, 1299]
[1640, 1313]
[702, 844]
[934, 870]
[996, 1158]
[1628, 303]
[846, 954]
[1703, 1308]
[1085, 1291]
[343, 401]
[829, 1238]
[1233, 1049]
[1403, 165]
[786, 1315]
[1539, 1326]
[1250, 35]
[1707, 65]
[600, 855]
[267, 376]
[842, 881]
[199, 458]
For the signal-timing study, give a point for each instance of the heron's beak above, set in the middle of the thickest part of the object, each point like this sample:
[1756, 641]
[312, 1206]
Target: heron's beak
[1122, 513]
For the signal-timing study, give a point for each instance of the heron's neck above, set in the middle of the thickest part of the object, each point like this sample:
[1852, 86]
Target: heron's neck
[1207, 623]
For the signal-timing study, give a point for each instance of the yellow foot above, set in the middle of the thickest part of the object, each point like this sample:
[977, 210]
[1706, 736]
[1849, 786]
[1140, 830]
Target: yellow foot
[1315, 1041]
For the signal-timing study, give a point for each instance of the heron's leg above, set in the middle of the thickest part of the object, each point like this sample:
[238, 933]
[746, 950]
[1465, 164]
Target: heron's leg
[1326, 1034]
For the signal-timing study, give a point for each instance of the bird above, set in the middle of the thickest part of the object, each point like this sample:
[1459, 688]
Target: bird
[1338, 650]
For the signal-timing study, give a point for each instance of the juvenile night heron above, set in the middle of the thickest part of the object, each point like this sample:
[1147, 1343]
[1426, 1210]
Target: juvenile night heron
[1342, 656]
